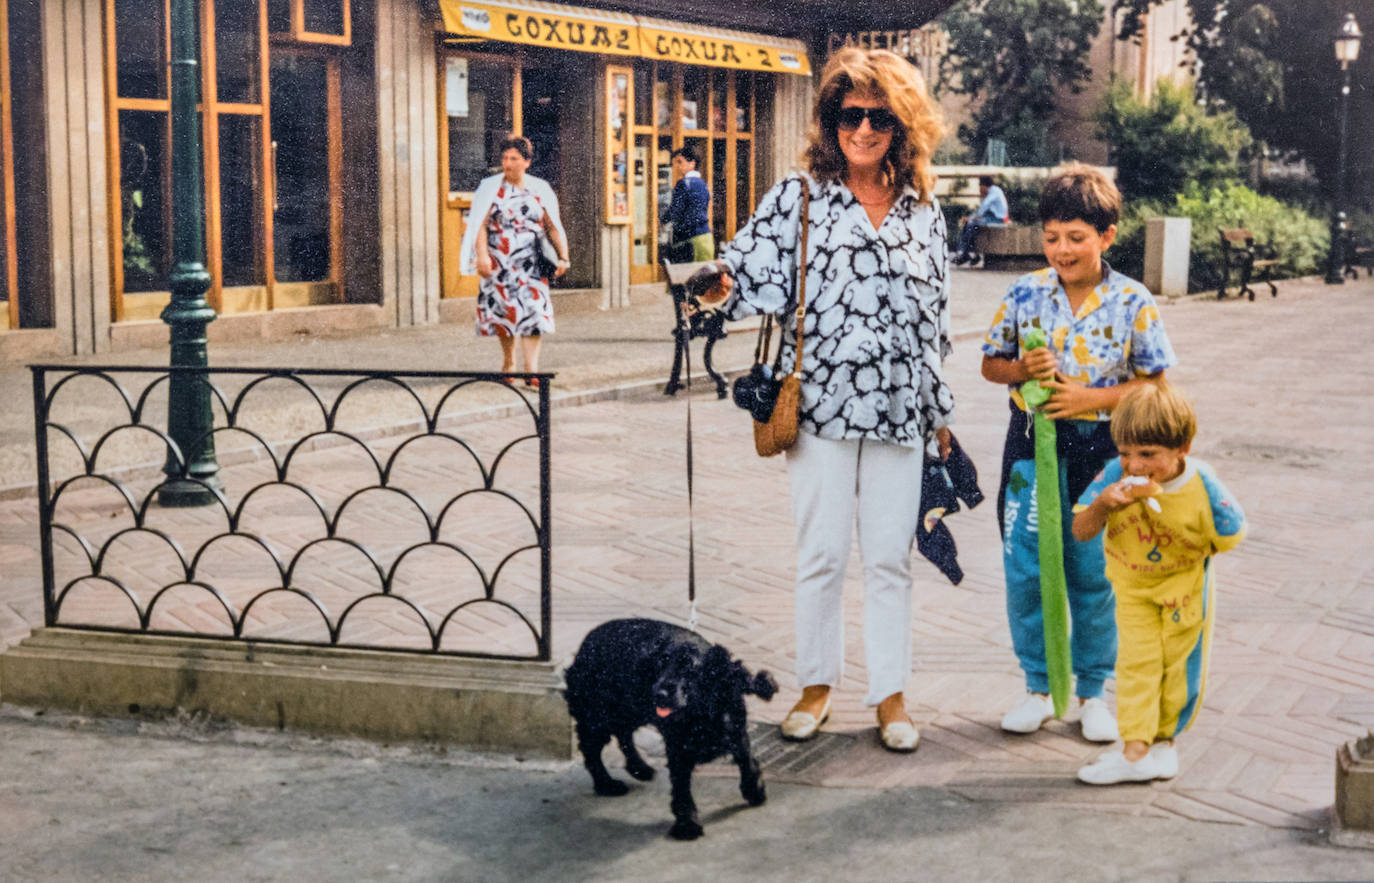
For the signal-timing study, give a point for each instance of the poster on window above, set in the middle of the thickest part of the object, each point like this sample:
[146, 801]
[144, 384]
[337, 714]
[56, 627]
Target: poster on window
[617, 145]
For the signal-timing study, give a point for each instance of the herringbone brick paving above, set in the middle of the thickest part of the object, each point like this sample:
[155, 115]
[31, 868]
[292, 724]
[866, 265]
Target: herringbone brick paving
[1285, 423]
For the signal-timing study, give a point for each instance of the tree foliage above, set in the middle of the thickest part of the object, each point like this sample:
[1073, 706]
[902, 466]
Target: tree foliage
[1012, 55]
[1272, 62]
[1161, 145]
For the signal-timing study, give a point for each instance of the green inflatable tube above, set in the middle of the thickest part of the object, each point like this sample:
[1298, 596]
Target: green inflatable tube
[1054, 589]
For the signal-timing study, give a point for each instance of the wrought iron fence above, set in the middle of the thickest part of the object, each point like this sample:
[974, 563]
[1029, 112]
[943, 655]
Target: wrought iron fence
[398, 510]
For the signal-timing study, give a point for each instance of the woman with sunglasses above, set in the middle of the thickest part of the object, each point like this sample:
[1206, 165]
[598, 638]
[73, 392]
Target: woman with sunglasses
[873, 394]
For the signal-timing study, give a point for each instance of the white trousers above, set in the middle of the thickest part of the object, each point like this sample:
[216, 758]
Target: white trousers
[832, 482]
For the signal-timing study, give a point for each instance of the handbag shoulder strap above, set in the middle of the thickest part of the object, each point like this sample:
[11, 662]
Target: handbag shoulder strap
[801, 269]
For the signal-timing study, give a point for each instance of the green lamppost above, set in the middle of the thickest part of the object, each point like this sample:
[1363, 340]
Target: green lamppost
[1347, 51]
[189, 418]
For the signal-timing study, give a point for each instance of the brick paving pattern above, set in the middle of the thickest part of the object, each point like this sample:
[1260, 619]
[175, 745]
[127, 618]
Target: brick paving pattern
[1285, 423]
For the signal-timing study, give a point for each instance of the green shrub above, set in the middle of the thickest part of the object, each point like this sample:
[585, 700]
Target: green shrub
[954, 213]
[1162, 146]
[1023, 199]
[1301, 239]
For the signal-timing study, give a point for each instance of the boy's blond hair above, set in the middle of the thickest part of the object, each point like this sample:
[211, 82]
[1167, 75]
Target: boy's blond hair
[1154, 414]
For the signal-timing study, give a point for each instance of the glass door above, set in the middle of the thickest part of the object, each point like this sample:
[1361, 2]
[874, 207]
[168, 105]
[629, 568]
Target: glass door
[709, 110]
[307, 220]
[480, 102]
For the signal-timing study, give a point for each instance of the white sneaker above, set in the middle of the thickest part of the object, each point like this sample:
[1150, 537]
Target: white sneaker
[1027, 717]
[1166, 756]
[1113, 767]
[1097, 720]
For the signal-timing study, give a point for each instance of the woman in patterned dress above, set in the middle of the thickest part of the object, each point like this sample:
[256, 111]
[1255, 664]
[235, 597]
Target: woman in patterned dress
[873, 393]
[517, 211]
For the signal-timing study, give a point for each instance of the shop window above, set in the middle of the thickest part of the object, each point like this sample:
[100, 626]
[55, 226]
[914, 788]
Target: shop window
[480, 114]
[25, 267]
[644, 96]
[272, 182]
[744, 182]
[303, 173]
[145, 199]
[9, 268]
[140, 40]
[618, 126]
[696, 95]
[241, 195]
[238, 59]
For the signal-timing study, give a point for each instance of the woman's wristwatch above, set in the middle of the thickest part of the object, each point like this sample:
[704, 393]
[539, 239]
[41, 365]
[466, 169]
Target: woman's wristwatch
[563, 262]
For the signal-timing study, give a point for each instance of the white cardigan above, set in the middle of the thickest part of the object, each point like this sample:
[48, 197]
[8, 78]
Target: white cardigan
[481, 204]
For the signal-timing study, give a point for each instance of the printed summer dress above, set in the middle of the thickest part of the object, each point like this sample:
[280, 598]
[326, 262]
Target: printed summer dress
[515, 300]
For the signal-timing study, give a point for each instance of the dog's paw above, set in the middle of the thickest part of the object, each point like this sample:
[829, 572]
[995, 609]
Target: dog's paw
[641, 771]
[685, 829]
[612, 788]
[754, 796]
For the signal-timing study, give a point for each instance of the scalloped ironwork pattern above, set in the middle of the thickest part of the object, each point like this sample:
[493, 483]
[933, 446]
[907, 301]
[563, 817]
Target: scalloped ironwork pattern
[351, 509]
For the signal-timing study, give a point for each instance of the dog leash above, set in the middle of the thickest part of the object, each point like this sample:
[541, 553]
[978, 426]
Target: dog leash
[685, 328]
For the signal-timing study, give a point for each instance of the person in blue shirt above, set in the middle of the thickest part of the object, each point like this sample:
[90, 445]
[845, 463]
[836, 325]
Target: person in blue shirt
[689, 211]
[991, 211]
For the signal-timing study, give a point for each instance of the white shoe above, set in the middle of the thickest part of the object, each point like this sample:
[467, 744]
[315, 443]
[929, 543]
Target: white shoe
[1027, 717]
[1113, 767]
[799, 726]
[899, 736]
[1098, 722]
[1166, 756]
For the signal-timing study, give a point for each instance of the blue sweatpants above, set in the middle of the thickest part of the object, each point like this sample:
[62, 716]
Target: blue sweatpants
[1084, 447]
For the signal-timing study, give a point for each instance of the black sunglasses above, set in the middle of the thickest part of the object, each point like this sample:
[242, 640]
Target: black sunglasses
[880, 119]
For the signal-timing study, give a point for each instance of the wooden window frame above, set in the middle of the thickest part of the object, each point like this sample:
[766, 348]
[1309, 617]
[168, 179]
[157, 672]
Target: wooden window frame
[301, 35]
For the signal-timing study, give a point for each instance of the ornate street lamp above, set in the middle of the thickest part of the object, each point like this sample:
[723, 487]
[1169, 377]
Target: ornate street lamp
[1347, 51]
[189, 419]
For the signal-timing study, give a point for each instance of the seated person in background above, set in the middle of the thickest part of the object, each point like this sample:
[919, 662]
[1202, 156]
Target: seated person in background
[689, 211]
[991, 211]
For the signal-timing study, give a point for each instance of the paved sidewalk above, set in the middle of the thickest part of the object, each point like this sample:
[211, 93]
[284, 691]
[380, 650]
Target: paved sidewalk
[1287, 426]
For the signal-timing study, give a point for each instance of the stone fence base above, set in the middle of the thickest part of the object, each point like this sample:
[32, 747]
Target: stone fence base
[387, 696]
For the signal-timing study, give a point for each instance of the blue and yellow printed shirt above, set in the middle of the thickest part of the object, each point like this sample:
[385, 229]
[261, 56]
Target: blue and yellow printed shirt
[1115, 336]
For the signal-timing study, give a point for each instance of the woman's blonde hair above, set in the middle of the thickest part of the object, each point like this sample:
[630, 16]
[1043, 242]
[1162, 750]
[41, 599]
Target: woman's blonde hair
[1154, 414]
[892, 79]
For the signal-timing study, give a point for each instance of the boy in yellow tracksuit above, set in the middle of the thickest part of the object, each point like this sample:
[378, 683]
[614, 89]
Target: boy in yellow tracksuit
[1165, 517]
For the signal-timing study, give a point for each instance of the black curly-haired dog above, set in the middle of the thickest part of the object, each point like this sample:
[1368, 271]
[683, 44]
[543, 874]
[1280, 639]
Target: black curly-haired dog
[633, 672]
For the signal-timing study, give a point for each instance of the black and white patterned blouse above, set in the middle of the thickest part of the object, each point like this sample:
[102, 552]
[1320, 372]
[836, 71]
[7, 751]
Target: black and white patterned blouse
[877, 311]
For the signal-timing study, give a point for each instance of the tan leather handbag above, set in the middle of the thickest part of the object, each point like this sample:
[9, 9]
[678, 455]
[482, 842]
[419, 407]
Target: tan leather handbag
[780, 432]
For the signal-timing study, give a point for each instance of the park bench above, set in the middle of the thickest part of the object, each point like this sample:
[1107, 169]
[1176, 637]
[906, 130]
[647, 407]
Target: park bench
[700, 322]
[1358, 254]
[1240, 253]
[1010, 246]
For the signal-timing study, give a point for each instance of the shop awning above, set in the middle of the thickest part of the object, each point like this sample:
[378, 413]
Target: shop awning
[576, 28]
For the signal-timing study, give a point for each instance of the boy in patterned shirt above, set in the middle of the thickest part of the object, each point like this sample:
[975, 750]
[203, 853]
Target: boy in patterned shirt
[1105, 337]
[1165, 517]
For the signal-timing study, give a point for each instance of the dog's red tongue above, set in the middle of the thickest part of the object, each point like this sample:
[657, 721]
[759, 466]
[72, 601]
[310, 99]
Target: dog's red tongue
[663, 712]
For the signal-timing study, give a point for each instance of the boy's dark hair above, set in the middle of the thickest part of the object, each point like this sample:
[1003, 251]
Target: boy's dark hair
[1154, 414]
[986, 180]
[520, 144]
[686, 153]
[1081, 193]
